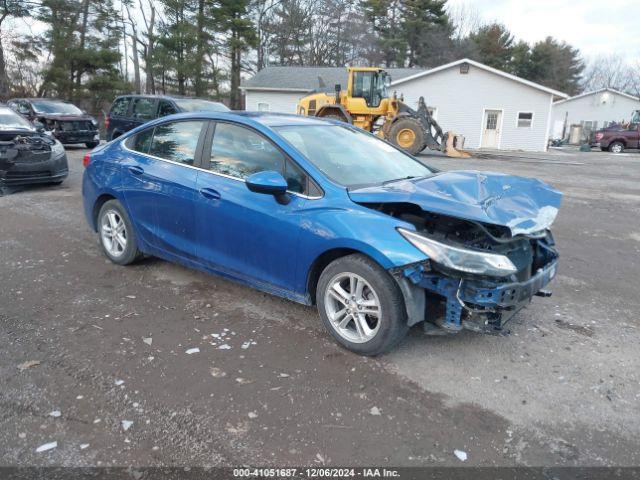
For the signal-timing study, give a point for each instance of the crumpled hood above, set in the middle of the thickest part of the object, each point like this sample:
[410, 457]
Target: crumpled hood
[524, 205]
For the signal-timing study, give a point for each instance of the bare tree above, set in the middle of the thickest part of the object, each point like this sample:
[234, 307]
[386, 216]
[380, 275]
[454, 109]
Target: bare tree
[611, 71]
[465, 19]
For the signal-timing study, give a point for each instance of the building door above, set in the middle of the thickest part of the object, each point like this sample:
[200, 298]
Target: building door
[491, 128]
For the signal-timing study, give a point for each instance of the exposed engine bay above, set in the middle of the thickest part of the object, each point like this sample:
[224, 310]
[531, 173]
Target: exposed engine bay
[30, 157]
[456, 299]
[18, 147]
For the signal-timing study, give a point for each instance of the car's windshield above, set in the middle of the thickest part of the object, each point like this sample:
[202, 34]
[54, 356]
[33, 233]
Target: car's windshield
[351, 157]
[635, 117]
[195, 105]
[10, 119]
[49, 106]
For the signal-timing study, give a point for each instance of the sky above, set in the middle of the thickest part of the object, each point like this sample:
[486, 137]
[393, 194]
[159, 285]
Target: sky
[601, 27]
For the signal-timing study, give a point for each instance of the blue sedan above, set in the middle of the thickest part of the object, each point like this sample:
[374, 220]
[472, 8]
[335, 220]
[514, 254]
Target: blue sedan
[323, 213]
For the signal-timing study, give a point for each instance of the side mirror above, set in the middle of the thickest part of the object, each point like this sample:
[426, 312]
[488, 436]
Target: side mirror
[39, 126]
[269, 181]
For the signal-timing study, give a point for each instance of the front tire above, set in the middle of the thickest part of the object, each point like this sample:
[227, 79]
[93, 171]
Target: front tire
[616, 147]
[117, 237]
[361, 305]
[408, 134]
[92, 144]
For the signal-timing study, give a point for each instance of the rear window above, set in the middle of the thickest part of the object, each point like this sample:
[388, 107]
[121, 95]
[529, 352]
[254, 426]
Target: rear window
[120, 107]
[144, 108]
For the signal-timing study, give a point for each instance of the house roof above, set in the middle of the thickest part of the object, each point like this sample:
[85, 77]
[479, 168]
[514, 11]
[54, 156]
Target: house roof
[307, 79]
[483, 67]
[600, 90]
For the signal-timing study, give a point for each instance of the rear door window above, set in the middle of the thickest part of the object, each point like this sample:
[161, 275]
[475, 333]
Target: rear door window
[140, 142]
[144, 108]
[120, 107]
[177, 141]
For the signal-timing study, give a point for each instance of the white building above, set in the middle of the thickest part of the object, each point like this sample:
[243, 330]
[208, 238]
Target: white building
[592, 110]
[491, 108]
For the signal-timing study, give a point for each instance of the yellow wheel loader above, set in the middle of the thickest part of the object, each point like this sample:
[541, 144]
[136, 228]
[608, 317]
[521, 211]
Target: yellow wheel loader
[366, 104]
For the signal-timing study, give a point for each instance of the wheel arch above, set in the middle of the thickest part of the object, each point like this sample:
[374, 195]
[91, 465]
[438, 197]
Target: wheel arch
[334, 109]
[323, 260]
[97, 205]
[621, 140]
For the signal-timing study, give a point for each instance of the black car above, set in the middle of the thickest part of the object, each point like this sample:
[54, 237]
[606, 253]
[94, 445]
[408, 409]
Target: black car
[129, 111]
[67, 122]
[28, 154]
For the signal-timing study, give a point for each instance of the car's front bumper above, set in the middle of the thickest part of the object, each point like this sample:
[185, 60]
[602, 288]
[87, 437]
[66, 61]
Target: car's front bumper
[30, 172]
[481, 304]
[76, 136]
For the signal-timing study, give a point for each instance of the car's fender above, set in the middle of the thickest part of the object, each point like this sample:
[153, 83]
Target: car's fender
[359, 229]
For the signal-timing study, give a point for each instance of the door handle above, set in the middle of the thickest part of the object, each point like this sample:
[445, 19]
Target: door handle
[210, 193]
[136, 170]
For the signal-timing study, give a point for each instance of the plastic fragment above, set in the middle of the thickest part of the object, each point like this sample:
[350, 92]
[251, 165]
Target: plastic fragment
[28, 364]
[46, 446]
[192, 351]
[462, 455]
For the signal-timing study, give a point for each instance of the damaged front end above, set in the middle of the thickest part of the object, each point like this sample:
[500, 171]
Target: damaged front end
[30, 157]
[477, 276]
[486, 240]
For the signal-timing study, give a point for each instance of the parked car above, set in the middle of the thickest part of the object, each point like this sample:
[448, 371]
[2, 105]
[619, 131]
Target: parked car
[616, 138]
[63, 119]
[28, 155]
[323, 213]
[131, 111]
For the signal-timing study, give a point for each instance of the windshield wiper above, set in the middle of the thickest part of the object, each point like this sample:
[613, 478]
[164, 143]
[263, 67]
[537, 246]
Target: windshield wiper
[401, 178]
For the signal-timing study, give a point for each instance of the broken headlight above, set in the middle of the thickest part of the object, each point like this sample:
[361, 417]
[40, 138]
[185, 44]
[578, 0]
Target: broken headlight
[460, 259]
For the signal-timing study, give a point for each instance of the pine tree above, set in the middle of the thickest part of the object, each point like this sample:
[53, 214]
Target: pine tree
[232, 17]
[422, 22]
[494, 46]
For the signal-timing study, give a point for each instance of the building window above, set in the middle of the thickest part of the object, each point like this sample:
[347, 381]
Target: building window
[525, 119]
[263, 107]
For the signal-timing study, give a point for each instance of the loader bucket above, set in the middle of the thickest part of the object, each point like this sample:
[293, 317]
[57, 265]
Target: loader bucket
[452, 143]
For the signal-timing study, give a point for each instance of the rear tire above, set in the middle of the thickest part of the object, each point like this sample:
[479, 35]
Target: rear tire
[117, 237]
[361, 305]
[408, 134]
[616, 147]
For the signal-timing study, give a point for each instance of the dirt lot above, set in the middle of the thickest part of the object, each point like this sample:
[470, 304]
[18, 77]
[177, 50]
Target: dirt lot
[563, 389]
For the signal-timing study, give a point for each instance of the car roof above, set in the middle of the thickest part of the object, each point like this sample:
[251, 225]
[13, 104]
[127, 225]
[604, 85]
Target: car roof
[31, 99]
[169, 97]
[271, 119]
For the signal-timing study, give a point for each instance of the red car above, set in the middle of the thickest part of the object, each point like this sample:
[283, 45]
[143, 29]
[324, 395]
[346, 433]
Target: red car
[616, 138]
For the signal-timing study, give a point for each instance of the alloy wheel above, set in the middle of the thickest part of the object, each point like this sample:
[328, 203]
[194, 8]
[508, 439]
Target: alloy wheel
[353, 307]
[113, 233]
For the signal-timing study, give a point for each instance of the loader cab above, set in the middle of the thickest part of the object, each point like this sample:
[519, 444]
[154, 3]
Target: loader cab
[371, 84]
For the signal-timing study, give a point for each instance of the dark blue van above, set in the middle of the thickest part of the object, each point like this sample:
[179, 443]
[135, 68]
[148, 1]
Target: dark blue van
[129, 111]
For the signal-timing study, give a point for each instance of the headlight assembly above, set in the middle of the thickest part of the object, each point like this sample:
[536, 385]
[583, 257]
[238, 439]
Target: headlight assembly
[460, 259]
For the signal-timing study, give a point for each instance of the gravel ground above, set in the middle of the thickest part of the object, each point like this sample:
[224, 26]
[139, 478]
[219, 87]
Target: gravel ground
[111, 342]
